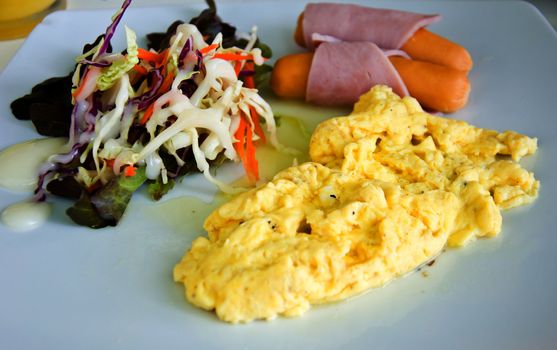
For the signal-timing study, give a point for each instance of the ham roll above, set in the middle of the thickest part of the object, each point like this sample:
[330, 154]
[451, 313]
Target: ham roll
[342, 71]
[389, 29]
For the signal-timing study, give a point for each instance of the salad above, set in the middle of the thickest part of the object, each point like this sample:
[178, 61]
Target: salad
[149, 116]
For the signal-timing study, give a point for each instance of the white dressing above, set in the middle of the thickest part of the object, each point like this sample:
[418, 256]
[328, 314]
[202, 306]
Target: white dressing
[25, 216]
[20, 163]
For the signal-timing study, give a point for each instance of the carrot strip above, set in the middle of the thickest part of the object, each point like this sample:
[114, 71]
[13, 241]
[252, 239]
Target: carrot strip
[239, 135]
[158, 59]
[166, 83]
[257, 124]
[246, 150]
[130, 170]
[81, 85]
[232, 56]
[208, 49]
[164, 56]
[251, 166]
[148, 55]
[249, 79]
[237, 67]
[148, 113]
[140, 69]
[250, 83]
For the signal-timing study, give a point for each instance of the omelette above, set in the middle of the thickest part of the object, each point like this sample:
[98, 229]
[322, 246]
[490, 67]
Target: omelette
[387, 189]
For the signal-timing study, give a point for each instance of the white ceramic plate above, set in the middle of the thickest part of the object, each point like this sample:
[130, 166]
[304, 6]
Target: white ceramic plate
[67, 287]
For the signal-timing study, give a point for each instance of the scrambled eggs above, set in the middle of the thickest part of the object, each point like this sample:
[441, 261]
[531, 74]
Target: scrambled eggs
[389, 186]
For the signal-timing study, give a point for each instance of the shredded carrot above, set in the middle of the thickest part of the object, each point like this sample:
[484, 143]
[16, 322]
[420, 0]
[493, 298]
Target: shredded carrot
[158, 59]
[166, 83]
[81, 85]
[163, 59]
[250, 83]
[140, 69]
[257, 124]
[148, 55]
[251, 165]
[208, 49]
[148, 113]
[253, 113]
[237, 67]
[239, 136]
[246, 149]
[232, 56]
[129, 170]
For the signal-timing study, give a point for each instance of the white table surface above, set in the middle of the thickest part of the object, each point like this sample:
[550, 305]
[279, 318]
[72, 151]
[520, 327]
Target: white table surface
[9, 47]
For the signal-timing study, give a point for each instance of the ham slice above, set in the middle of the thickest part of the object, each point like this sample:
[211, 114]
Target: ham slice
[389, 29]
[342, 71]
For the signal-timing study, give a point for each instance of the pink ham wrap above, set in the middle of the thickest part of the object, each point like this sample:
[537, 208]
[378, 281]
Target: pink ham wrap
[342, 71]
[389, 29]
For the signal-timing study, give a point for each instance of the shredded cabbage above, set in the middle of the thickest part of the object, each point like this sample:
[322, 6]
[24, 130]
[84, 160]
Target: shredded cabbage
[117, 69]
[199, 108]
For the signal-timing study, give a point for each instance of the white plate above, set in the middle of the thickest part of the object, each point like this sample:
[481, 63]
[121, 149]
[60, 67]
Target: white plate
[67, 287]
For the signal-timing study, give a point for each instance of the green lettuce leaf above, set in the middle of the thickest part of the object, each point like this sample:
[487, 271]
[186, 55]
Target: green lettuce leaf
[157, 189]
[262, 76]
[106, 206]
[117, 69]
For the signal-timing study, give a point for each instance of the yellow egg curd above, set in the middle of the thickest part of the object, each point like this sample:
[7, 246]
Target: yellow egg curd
[387, 188]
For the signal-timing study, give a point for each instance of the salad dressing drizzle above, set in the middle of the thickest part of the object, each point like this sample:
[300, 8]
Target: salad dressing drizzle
[20, 163]
[26, 216]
